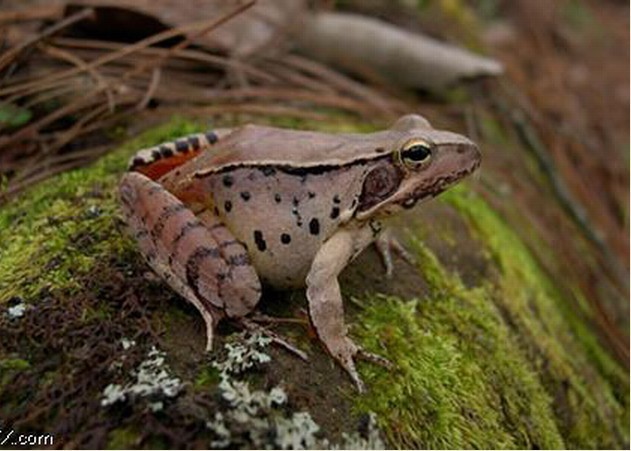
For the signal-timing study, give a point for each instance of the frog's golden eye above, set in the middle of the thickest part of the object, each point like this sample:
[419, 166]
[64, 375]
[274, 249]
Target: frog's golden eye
[415, 154]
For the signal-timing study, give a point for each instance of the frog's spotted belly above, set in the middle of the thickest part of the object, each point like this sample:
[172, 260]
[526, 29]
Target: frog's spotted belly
[283, 218]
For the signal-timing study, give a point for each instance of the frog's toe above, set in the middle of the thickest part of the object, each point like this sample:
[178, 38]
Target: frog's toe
[374, 358]
[348, 364]
[253, 326]
[345, 354]
[386, 245]
[210, 324]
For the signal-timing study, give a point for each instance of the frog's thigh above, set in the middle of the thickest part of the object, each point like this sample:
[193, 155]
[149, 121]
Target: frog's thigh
[325, 300]
[185, 252]
[240, 287]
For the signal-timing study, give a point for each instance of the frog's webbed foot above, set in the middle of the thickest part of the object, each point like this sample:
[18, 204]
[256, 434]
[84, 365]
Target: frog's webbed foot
[345, 351]
[325, 301]
[386, 245]
[197, 257]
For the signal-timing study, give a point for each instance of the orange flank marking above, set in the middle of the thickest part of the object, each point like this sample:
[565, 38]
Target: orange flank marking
[158, 168]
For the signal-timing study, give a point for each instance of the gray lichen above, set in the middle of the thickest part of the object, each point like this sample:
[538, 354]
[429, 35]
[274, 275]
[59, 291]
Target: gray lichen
[151, 380]
[259, 418]
[17, 310]
[244, 355]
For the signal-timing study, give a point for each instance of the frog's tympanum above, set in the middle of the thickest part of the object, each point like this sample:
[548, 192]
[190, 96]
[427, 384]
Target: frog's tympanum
[219, 213]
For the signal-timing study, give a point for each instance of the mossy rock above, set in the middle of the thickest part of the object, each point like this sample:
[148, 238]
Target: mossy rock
[486, 352]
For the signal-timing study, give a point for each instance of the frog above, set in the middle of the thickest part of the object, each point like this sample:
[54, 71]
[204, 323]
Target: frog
[221, 214]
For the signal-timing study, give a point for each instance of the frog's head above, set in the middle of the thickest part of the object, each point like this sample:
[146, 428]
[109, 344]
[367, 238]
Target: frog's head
[423, 163]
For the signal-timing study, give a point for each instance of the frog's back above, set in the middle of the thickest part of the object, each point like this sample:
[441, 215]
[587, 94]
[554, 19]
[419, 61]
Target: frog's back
[260, 145]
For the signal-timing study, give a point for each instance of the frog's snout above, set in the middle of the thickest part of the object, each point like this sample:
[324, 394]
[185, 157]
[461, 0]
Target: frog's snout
[469, 156]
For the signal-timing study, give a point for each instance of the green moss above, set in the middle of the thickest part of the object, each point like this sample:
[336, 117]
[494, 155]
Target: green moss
[208, 376]
[504, 364]
[8, 368]
[61, 228]
[523, 283]
[14, 364]
[122, 438]
[460, 380]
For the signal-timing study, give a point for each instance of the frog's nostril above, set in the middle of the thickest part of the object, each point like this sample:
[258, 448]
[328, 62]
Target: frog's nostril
[467, 148]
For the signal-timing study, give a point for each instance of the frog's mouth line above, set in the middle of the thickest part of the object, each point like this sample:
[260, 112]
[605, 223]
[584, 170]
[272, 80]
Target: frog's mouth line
[437, 186]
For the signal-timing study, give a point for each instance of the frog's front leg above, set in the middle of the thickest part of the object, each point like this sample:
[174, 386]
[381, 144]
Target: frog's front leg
[387, 244]
[325, 300]
[197, 256]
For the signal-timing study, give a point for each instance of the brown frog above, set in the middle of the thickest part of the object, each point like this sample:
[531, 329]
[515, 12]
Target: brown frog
[216, 214]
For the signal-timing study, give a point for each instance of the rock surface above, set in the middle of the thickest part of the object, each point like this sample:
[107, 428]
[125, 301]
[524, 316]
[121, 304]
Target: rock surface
[488, 353]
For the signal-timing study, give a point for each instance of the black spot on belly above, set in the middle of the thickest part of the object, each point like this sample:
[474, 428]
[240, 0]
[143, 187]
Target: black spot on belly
[245, 195]
[314, 226]
[296, 213]
[335, 212]
[228, 181]
[285, 238]
[268, 171]
[259, 240]
[227, 206]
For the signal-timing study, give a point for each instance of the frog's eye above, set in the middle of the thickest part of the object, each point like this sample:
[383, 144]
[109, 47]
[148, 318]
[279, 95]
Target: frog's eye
[415, 154]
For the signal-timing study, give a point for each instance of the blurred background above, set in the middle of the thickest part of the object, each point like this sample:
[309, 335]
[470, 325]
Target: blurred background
[542, 86]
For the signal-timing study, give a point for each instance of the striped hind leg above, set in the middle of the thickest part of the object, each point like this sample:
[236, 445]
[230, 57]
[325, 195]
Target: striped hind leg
[200, 259]
[156, 161]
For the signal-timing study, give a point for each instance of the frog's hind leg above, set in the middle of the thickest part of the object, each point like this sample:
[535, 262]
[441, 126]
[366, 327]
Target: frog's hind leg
[191, 255]
[156, 161]
[234, 254]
